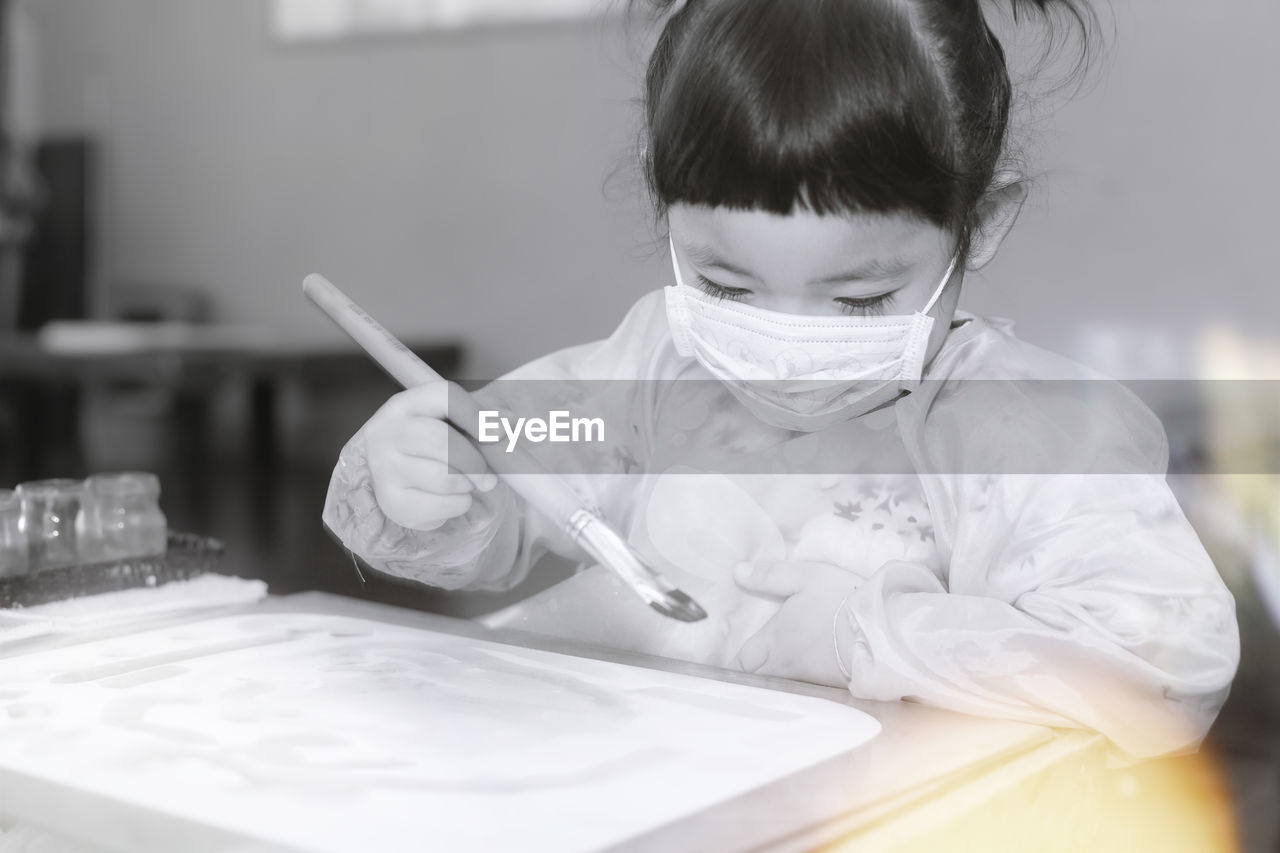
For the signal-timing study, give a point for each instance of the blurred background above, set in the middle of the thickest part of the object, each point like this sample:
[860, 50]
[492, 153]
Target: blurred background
[466, 170]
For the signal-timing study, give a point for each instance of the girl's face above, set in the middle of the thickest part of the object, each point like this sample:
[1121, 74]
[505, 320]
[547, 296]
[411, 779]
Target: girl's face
[805, 263]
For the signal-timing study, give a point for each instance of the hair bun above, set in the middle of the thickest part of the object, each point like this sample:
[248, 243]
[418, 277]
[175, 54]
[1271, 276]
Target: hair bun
[661, 8]
[1079, 10]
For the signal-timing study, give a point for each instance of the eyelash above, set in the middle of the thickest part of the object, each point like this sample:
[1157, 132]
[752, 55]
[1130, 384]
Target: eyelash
[733, 294]
[865, 305]
[850, 305]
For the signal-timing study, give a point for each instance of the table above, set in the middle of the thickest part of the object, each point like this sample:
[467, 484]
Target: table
[192, 361]
[927, 771]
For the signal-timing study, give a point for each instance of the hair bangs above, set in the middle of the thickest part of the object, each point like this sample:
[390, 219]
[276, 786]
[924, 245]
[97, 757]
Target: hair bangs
[831, 107]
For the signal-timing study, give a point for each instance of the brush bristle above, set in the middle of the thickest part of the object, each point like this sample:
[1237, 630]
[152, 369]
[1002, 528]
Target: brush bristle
[678, 605]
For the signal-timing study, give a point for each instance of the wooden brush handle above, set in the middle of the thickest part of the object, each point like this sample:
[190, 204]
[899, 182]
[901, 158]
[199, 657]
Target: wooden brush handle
[540, 489]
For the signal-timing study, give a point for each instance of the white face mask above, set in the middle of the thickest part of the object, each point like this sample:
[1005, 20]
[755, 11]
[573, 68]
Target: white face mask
[801, 372]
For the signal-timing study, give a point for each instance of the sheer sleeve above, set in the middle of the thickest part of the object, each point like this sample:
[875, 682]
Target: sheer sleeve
[494, 545]
[487, 548]
[1077, 594]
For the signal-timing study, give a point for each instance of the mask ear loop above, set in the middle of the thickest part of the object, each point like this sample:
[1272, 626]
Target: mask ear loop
[921, 329]
[937, 294]
[678, 310]
[675, 265]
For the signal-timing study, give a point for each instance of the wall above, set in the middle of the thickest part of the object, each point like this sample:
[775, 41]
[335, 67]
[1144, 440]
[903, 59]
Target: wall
[457, 184]
[1156, 197]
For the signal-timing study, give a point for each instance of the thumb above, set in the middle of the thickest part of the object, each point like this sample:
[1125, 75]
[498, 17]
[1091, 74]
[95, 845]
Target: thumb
[780, 580]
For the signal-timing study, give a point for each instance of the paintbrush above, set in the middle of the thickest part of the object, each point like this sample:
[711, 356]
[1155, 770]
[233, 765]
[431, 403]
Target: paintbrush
[545, 492]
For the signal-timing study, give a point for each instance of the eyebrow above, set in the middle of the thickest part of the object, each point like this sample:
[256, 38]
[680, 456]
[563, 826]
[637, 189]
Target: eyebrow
[706, 256]
[873, 269]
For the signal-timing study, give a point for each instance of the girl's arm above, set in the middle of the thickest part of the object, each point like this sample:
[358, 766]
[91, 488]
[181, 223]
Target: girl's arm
[494, 545]
[1079, 599]
[491, 547]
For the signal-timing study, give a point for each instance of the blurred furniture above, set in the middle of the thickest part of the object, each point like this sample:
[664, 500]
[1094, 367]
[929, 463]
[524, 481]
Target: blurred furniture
[165, 361]
[135, 408]
[56, 258]
[48, 271]
[188, 358]
[148, 302]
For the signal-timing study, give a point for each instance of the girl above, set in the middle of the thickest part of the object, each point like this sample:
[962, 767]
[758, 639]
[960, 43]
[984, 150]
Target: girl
[868, 487]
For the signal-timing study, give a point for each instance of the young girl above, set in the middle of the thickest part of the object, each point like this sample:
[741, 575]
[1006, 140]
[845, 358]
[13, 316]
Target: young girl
[869, 488]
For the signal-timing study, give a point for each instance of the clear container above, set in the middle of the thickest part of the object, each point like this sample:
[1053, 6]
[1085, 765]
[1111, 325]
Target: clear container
[14, 561]
[49, 511]
[121, 518]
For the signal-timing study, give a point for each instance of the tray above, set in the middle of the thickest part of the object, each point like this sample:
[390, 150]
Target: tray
[188, 556]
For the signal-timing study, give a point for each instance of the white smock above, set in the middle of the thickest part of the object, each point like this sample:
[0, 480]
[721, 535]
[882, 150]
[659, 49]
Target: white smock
[1067, 589]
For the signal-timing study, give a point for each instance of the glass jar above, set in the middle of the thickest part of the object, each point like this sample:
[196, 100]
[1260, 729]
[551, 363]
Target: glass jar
[122, 518]
[49, 510]
[13, 538]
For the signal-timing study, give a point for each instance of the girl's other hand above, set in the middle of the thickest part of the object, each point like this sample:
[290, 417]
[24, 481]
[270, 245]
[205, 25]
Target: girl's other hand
[415, 458]
[799, 642]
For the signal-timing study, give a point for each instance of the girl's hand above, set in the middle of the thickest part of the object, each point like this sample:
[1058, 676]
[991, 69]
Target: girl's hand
[799, 641]
[414, 459]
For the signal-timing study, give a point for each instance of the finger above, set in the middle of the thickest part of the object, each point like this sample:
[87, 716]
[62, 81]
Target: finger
[429, 400]
[418, 510]
[429, 475]
[439, 399]
[433, 439]
[780, 580]
[465, 457]
[754, 652]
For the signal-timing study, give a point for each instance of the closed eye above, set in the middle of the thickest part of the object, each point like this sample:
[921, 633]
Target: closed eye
[864, 305]
[719, 291]
[872, 305]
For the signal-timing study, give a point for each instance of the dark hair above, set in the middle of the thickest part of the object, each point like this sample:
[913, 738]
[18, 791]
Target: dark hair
[837, 106]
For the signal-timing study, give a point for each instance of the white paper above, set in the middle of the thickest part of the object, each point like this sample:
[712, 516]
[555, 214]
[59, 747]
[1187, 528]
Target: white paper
[326, 733]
